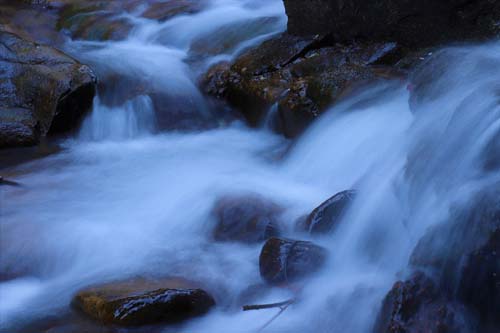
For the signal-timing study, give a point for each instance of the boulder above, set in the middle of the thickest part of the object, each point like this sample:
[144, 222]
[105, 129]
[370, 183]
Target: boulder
[42, 91]
[285, 261]
[302, 75]
[416, 306]
[328, 215]
[414, 23]
[245, 218]
[144, 302]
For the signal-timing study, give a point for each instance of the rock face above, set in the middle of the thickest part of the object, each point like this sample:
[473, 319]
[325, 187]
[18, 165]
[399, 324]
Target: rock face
[414, 23]
[283, 260]
[42, 90]
[328, 215]
[416, 306]
[248, 219]
[143, 302]
[303, 76]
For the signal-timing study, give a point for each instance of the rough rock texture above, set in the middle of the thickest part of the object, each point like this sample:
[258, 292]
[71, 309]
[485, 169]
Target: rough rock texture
[283, 260]
[423, 22]
[245, 218]
[328, 215]
[303, 76]
[144, 302]
[42, 90]
[416, 306]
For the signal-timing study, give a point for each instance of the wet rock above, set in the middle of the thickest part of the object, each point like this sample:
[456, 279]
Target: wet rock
[417, 23]
[42, 89]
[303, 75]
[144, 302]
[416, 306]
[328, 215]
[479, 285]
[246, 218]
[284, 261]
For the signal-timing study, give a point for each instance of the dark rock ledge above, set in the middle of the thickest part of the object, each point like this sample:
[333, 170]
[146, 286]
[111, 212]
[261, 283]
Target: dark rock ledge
[42, 91]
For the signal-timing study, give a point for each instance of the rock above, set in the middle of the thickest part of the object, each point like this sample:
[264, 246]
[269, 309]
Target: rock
[284, 261]
[416, 306]
[42, 91]
[144, 302]
[414, 23]
[479, 285]
[245, 218]
[328, 215]
[303, 75]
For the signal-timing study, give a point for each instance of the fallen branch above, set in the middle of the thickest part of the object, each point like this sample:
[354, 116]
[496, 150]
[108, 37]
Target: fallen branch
[270, 321]
[268, 306]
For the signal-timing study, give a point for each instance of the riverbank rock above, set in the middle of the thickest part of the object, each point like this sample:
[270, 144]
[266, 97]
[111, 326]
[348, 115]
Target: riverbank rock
[414, 23]
[144, 302]
[284, 261]
[325, 218]
[43, 91]
[302, 75]
[245, 218]
[416, 306]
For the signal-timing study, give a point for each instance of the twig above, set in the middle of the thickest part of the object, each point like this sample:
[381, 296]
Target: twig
[268, 306]
[282, 309]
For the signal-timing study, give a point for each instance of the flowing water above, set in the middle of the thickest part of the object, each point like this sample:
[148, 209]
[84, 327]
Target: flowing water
[123, 199]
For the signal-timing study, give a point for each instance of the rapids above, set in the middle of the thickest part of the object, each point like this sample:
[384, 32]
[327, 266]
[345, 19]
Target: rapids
[123, 198]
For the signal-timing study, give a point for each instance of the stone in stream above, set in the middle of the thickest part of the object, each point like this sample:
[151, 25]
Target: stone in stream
[303, 75]
[283, 261]
[246, 218]
[325, 218]
[42, 91]
[144, 302]
[416, 306]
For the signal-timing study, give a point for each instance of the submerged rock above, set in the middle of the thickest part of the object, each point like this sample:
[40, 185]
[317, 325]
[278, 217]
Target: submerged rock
[304, 76]
[144, 302]
[416, 306]
[246, 218]
[283, 261]
[422, 22]
[42, 91]
[325, 218]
